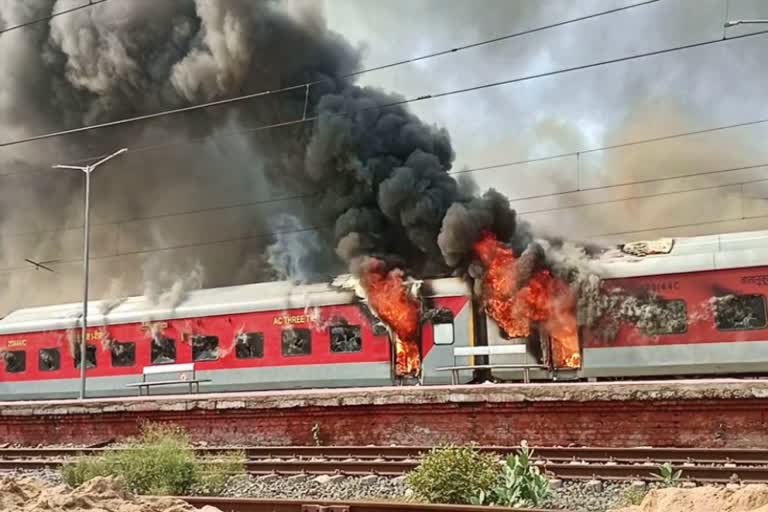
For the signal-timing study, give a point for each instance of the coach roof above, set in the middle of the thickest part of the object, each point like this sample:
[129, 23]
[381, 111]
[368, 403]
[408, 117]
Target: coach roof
[272, 296]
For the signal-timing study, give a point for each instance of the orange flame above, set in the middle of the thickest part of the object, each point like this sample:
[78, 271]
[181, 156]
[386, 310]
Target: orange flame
[544, 299]
[390, 300]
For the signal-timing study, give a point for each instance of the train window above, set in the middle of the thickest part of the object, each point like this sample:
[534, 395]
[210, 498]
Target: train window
[205, 348]
[15, 361]
[670, 317]
[739, 312]
[249, 345]
[123, 353]
[442, 326]
[443, 333]
[346, 338]
[163, 350]
[296, 342]
[90, 356]
[49, 360]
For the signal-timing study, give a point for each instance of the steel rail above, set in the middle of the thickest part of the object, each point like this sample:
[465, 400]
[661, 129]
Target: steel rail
[324, 467]
[590, 454]
[309, 505]
[705, 465]
[566, 471]
[709, 474]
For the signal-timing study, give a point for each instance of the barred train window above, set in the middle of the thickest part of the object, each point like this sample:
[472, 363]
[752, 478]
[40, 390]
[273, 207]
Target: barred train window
[123, 353]
[296, 342]
[163, 350]
[90, 356]
[15, 361]
[346, 338]
[249, 345]
[205, 348]
[740, 312]
[669, 317]
[49, 360]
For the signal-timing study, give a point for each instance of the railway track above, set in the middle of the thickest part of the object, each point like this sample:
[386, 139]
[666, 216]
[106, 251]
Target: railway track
[261, 505]
[703, 465]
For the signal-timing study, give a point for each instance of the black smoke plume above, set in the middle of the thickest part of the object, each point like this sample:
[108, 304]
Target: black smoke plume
[372, 177]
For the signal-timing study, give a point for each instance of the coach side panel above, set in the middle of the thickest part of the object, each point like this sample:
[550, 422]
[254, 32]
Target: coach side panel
[329, 346]
[716, 324]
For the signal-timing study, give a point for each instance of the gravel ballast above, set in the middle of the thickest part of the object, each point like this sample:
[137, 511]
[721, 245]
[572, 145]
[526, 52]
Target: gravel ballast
[575, 496]
[351, 488]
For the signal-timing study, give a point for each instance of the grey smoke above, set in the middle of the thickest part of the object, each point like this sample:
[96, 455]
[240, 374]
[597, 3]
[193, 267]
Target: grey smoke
[113, 297]
[167, 288]
[530, 260]
[375, 174]
[121, 59]
[297, 254]
[464, 222]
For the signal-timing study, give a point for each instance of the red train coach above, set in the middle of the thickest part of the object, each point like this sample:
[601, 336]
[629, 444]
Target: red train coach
[713, 306]
[711, 294]
[710, 297]
[258, 336]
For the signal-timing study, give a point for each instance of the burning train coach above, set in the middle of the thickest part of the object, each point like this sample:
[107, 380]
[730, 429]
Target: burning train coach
[689, 306]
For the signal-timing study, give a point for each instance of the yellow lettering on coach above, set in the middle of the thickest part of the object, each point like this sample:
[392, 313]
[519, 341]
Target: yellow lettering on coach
[291, 319]
[17, 343]
[148, 326]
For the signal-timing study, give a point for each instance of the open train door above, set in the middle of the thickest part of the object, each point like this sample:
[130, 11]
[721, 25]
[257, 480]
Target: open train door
[407, 369]
[561, 355]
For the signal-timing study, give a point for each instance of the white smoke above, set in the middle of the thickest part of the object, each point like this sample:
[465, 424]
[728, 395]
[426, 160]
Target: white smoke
[114, 296]
[169, 289]
[296, 254]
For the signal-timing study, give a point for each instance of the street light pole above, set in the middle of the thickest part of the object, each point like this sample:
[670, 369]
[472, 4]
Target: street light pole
[88, 169]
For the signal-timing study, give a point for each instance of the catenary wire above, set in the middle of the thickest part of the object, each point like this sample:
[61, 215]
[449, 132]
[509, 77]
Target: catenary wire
[482, 168]
[655, 194]
[90, 3]
[576, 153]
[317, 82]
[676, 226]
[317, 228]
[308, 119]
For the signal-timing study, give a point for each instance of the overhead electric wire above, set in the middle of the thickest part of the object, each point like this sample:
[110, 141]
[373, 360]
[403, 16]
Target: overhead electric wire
[317, 82]
[90, 3]
[317, 228]
[384, 106]
[603, 148]
[498, 39]
[474, 169]
[176, 247]
[654, 194]
[464, 90]
[676, 226]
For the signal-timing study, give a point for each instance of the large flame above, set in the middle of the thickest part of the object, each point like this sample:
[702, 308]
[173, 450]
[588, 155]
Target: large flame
[544, 299]
[391, 302]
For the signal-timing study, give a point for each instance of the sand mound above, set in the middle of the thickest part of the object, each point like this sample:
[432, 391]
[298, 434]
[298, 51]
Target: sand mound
[749, 498]
[97, 495]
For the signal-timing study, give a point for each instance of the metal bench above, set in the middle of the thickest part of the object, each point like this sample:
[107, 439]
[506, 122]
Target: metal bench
[182, 369]
[490, 350]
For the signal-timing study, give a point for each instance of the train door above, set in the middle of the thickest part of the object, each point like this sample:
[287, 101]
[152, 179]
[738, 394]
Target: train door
[535, 353]
[406, 359]
[448, 324]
